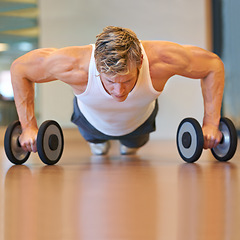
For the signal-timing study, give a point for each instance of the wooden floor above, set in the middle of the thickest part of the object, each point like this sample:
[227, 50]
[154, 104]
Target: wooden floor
[152, 196]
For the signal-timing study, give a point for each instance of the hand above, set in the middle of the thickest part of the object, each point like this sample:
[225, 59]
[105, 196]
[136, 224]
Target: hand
[28, 139]
[212, 136]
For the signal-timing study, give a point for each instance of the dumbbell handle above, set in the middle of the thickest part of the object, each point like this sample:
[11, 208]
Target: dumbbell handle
[222, 139]
[18, 142]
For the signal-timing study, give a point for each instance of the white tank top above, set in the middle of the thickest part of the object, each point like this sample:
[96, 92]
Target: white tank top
[117, 118]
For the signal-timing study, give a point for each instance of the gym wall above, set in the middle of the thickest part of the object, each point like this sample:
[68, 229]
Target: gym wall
[77, 22]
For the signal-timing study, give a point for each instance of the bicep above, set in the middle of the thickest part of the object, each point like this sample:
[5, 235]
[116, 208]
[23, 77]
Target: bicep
[200, 63]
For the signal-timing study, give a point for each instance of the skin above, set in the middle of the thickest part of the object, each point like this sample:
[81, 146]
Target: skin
[119, 86]
[70, 65]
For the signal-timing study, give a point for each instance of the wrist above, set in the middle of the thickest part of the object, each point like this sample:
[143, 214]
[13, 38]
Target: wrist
[214, 121]
[26, 124]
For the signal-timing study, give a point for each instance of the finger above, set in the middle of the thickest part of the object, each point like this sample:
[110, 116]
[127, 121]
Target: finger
[206, 145]
[218, 140]
[206, 140]
[209, 142]
[215, 143]
[24, 146]
[34, 147]
[28, 147]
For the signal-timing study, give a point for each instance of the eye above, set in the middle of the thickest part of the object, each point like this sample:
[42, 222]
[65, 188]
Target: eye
[110, 81]
[128, 81]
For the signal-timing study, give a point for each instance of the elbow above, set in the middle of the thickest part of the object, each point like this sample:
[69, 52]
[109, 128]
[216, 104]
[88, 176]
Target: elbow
[218, 63]
[217, 69]
[14, 66]
[16, 69]
[220, 72]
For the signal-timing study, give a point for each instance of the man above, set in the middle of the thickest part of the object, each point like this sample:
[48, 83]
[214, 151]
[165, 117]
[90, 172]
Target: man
[116, 83]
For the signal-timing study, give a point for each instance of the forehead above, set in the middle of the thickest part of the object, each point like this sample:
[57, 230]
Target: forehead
[119, 77]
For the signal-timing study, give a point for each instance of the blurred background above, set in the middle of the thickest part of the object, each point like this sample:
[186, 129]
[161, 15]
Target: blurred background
[211, 24]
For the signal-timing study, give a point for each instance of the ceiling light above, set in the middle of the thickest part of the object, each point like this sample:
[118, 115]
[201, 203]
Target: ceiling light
[25, 46]
[3, 47]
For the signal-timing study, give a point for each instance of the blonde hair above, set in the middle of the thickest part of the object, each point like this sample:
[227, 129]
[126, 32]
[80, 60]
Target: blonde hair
[117, 50]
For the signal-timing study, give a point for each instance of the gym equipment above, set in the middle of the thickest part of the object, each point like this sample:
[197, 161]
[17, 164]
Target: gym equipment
[226, 149]
[50, 143]
[190, 140]
[12, 147]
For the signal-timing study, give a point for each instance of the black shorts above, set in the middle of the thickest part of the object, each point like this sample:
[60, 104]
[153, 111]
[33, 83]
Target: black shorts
[135, 139]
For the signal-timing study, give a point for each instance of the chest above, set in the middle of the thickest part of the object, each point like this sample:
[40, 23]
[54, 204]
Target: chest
[76, 78]
[158, 77]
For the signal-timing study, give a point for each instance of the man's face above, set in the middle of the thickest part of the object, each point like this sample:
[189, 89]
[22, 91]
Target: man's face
[119, 86]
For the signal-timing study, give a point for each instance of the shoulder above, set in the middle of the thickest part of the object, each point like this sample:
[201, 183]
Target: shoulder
[166, 59]
[166, 52]
[45, 63]
[73, 51]
[55, 55]
[30, 65]
[63, 57]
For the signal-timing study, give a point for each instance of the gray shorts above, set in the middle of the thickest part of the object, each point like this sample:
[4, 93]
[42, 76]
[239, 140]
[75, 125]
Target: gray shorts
[135, 139]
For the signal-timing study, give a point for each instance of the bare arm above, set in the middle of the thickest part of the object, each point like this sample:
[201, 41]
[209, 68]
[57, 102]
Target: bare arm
[69, 65]
[210, 69]
[24, 72]
[193, 62]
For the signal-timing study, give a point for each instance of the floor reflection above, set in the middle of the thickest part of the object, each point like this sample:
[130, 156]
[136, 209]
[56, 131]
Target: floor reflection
[101, 199]
[33, 202]
[19, 204]
[118, 200]
[121, 198]
[208, 201]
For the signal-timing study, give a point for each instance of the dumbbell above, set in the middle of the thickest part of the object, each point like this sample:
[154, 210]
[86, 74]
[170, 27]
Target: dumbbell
[190, 140]
[50, 143]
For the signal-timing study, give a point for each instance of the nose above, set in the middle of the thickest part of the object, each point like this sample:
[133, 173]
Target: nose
[119, 89]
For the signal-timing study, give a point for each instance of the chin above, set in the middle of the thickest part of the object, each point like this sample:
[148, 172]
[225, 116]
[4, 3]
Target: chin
[120, 99]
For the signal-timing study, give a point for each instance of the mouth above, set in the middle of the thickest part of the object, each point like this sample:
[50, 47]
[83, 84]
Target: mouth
[119, 96]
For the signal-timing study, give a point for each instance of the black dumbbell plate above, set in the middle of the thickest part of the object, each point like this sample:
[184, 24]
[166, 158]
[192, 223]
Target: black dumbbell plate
[190, 140]
[50, 142]
[13, 150]
[226, 149]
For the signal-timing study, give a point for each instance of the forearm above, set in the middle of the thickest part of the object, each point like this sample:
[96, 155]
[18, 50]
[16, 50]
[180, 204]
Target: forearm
[212, 89]
[24, 99]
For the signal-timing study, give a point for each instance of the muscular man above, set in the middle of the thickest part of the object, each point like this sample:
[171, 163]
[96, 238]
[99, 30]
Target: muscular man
[116, 83]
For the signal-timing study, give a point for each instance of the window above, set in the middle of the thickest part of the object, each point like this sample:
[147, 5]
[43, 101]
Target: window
[19, 33]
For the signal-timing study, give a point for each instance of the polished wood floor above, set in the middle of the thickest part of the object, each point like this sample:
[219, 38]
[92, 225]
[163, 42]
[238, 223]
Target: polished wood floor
[151, 196]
